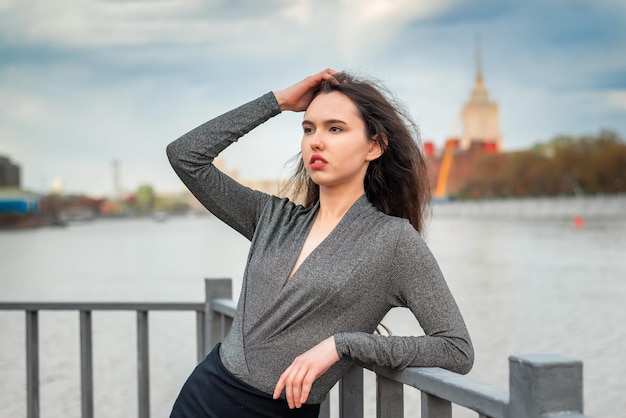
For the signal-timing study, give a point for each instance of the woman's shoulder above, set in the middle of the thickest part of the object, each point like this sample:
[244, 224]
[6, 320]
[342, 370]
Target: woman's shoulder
[400, 236]
[383, 225]
[283, 207]
[397, 226]
[286, 203]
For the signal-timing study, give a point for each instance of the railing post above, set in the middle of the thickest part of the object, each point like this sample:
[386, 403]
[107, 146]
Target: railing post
[389, 398]
[541, 384]
[143, 365]
[86, 365]
[214, 289]
[434, 407]
[325, 408]
[32, 364]
[201, 350]
[351, 393]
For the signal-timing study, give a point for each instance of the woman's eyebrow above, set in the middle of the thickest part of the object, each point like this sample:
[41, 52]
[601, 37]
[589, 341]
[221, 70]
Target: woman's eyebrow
[326, 122]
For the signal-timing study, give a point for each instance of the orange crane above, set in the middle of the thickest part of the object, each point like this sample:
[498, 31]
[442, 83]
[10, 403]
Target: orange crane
[444, 171]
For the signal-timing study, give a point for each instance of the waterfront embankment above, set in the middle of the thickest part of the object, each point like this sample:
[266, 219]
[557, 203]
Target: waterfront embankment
[537, 208]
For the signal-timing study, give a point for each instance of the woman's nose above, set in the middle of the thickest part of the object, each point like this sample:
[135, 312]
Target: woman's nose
[316, 141]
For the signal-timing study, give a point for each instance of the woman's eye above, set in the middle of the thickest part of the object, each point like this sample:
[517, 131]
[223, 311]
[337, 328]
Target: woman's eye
[307, 130]
[335, 129]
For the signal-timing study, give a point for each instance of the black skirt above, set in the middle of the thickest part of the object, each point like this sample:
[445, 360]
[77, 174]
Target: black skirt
[211, 391]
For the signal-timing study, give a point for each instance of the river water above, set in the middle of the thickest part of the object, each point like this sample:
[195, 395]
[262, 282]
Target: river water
[527, 279]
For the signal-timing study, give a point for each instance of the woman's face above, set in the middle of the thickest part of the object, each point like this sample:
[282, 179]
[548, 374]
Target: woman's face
[335, 148]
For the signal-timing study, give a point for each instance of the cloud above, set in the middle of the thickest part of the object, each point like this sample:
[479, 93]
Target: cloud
[228, 26]
[73, 23]
[88, 82]
[21, 107]
[617, 99]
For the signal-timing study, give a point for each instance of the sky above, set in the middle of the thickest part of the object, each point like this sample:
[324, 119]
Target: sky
[84, 83]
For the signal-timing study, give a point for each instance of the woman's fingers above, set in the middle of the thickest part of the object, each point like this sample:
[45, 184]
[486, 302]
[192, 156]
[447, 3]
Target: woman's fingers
[296, 387]
[325, 75]
[280, 385]
[329, 74]
[307, 384]
[297, 380]
[292, 382]
[298, 96]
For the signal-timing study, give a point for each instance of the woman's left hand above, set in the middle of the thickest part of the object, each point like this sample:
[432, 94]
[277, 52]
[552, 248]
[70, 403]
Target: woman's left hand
[298, 379]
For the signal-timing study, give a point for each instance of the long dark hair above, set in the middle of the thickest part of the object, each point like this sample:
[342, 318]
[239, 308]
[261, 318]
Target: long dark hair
[396, 183]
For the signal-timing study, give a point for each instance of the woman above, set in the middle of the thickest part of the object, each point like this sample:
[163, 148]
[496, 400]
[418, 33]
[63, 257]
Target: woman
[320, 276]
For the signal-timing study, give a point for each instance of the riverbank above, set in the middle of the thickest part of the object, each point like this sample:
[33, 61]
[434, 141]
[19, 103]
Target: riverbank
[539, 208]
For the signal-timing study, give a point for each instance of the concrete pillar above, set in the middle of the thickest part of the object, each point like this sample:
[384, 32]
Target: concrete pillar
[434, 407]
[541, 384]
[214, 289]
[351, 393]
[389, 398]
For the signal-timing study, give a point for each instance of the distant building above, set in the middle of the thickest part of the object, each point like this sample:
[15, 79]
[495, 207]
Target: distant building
[9, 173]
[481, 125]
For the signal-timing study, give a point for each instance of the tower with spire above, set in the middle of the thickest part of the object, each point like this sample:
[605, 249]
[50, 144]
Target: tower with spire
[481, 125]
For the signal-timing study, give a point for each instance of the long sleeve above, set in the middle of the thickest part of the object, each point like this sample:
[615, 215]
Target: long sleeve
[418, 284]
[192, 158]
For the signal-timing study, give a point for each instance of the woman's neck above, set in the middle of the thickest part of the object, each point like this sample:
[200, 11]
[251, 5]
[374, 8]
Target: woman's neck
[335, 203]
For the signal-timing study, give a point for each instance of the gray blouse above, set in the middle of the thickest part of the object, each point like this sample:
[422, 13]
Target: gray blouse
[370, 263]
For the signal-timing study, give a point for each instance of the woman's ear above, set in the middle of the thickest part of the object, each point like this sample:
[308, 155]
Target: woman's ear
[376, 147]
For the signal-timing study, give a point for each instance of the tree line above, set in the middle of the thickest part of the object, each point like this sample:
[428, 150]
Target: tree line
[565, 165]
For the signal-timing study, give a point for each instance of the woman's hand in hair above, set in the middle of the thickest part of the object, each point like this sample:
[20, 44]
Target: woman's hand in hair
[297, 97]
[298, 379]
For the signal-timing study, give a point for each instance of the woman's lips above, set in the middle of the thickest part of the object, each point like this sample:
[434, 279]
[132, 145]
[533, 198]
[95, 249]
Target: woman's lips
[317, 162]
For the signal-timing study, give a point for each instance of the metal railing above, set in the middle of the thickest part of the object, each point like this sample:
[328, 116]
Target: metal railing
[540, 385]
[543, 386]
[85, 310]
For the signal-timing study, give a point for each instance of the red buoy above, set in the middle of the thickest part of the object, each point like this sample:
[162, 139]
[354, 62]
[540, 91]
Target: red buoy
[579, 222]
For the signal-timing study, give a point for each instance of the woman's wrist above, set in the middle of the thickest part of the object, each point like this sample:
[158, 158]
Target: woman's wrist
[280, 99]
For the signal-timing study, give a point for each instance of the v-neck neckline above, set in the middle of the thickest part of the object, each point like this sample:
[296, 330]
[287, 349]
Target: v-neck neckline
[293, 273]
